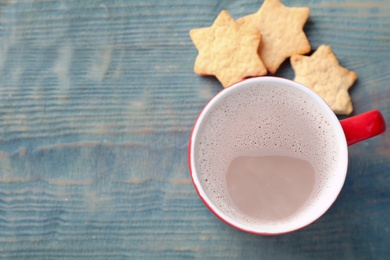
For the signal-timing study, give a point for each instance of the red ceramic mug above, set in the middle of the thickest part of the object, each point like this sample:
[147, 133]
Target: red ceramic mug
[268, 156]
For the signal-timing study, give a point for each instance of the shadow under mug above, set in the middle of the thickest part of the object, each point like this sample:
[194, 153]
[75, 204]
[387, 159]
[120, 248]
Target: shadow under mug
[270, 115]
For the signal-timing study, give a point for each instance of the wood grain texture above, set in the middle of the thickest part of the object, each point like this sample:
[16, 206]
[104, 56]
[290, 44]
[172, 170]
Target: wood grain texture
[97, 101]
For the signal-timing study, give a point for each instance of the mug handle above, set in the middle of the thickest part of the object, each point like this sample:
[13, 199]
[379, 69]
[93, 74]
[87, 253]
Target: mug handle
[363, 126]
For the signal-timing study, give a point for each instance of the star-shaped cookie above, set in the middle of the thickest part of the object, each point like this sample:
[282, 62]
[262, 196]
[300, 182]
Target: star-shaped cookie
[322, 73]
[227, 51]
[281, 29]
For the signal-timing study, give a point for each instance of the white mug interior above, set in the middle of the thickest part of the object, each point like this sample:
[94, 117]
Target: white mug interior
[267, 115]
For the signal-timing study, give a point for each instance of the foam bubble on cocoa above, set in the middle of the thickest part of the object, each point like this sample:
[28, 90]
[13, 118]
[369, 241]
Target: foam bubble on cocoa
[264, 118]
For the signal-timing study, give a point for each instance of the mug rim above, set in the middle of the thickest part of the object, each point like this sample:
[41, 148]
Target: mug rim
[235, 87]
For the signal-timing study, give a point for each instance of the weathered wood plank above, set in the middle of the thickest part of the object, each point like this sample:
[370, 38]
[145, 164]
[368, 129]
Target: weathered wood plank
[97, 101]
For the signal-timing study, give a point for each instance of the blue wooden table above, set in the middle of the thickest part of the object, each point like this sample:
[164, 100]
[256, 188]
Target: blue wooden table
[97, 101]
